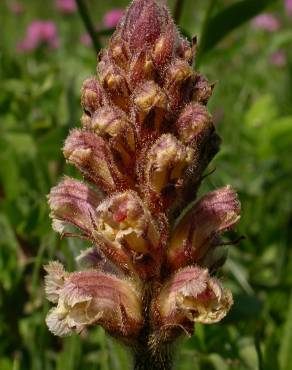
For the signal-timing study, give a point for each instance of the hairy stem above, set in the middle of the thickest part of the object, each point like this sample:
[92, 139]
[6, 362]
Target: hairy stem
[146, 359]
[83, 11]
[147, 354]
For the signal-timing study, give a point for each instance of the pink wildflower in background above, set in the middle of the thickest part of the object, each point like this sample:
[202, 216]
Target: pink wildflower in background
[85, 39]
[266, 22]
[112, 18]
[288, 7]
[279, 59]
[16, 8]
[38, 33]
[66, 6]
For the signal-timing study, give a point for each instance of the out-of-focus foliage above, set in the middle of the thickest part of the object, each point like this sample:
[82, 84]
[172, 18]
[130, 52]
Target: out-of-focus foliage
[252, 106]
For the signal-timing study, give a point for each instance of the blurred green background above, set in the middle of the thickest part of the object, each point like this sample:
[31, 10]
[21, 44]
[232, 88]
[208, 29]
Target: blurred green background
[252, 107]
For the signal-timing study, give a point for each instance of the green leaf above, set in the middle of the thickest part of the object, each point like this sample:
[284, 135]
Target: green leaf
[230, 18]
[262, 111]
[10, 179]
[217, 361]
[285, 353]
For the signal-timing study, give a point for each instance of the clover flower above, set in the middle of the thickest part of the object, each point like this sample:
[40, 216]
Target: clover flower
[267, 22]
[112, 17]
[288, 7]
[66, 6]
[39, 32]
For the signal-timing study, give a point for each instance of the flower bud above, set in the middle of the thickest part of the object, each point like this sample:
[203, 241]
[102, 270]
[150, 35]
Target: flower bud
[124, 220]
[193, 124]
[185, 51]
[166, 162]
[144, 22]
[141, 69]
[85, 120]
[163, 48]
[202, 90]
[149, 98]
[119, 51]
[92, 298]
[92, 157]
[113, 81]
[179, 78]
[92, 95]
[72, 202]
[199, 229]
[110, 122]
[191, 296]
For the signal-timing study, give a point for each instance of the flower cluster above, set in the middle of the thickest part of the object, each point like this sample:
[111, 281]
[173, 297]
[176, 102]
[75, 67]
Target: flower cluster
[38, 33]
[145, 142]
[66, 6]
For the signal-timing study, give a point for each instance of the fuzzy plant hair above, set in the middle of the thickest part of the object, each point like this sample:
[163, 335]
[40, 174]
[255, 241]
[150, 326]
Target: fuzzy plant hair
[145, 142]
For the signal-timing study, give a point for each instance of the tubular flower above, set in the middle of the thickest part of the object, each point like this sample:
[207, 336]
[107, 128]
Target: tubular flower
[146, 140]
[198, 231]
[190, 296]
[91, 297]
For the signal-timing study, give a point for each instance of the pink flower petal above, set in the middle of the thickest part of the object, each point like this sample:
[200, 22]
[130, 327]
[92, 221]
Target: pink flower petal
[16, 8]
[266, 22]
[37, 33]
[66, 6]
[279, 59]
[288, 7]
[112, 18]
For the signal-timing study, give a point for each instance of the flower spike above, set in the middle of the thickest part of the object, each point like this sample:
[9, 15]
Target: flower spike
[146, 140]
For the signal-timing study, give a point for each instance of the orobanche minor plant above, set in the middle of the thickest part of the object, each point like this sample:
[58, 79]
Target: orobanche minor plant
[145, 141]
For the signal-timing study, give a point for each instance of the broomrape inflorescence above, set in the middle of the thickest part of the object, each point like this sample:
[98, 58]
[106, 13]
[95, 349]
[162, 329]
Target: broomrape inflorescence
[147, 138]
